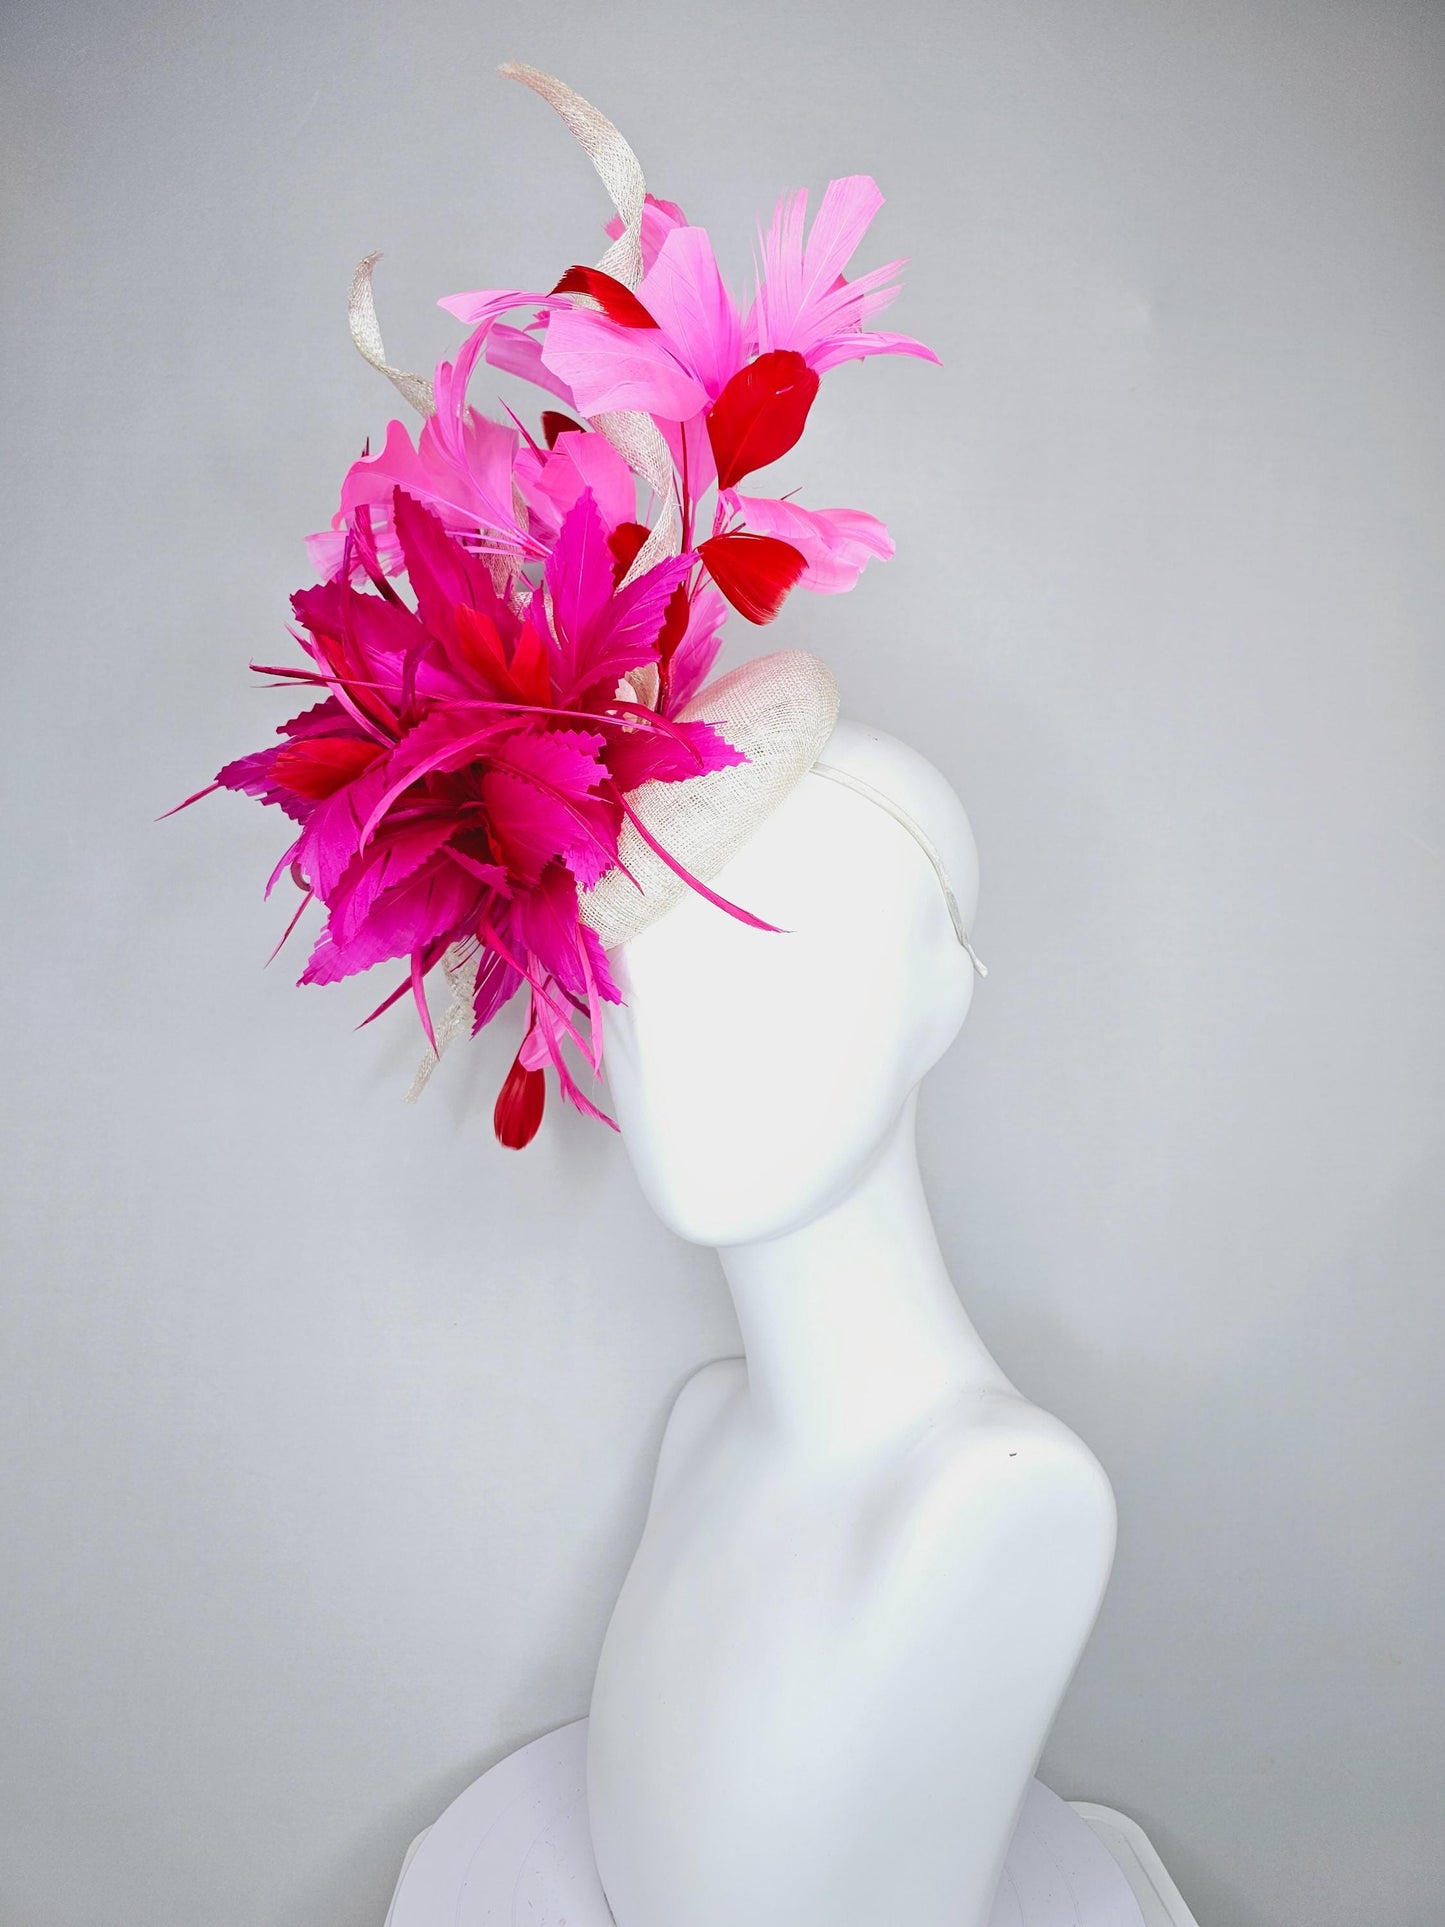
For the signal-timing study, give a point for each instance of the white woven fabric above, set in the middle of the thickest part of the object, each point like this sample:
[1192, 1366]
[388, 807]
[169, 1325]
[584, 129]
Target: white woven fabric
[366, 333]
[632, 433]
[609, 153]
[779, 711]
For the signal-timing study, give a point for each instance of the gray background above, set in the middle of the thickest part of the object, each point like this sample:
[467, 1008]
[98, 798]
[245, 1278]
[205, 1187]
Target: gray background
[327, 1425]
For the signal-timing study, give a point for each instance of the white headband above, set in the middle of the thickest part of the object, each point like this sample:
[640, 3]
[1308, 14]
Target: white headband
[920, 837]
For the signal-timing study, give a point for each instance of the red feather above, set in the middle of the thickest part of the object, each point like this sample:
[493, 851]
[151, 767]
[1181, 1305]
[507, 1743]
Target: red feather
[674, 623]
[530, 671]
[626, 542]
[316, 766]
[618, 303]
[760, 414]
[479, 647]
[556, 424]
[519, 1106]
[754, 572]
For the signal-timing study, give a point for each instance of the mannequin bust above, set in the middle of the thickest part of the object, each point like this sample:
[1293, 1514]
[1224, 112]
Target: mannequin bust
[869, 1566]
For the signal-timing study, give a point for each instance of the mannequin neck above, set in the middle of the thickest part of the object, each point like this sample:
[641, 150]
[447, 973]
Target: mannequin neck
[853, 1331]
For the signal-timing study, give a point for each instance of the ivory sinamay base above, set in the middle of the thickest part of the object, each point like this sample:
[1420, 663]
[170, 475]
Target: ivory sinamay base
[513, 1851]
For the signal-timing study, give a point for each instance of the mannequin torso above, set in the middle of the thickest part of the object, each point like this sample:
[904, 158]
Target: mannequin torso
[869, 1566]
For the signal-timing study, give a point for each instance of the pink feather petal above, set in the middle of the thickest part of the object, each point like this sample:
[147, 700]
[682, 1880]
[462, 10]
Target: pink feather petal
[691, 451]
[531, 828]
[516, 351]
[385, 863]
[539, 792]
[803, 301]
[698, 651]
[497, 983]
[580, 461]
[333, 832]
[844, 216]
[467, 483]
[565, 759]
[595, 961]
[545, 921]
[326, 550]
[418, 991]
[652, 756]
[684, 291]
[836, 544]
[608, 367]
[600, 633]
[799, 275]
[579, 577]
[659, 218]
[543, 1046]
[857, 346]
[444, 578]
[431, 908]
[321, 719]
[486, 305]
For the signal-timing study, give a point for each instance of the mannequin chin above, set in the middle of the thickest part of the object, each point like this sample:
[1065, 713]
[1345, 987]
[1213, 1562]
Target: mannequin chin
[755, 1077]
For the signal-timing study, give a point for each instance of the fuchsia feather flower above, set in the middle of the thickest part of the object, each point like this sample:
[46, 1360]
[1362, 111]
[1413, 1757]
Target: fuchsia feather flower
[464, 771]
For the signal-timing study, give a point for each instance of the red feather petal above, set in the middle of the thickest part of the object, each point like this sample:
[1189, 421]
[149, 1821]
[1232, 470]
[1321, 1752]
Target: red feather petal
[530, 672]
[618, 303]
[754, 572]
[555, 424]
[479, 647]
[317, 766]
[625, 542]
[674, 623]
[519, 1106]
[760, 414]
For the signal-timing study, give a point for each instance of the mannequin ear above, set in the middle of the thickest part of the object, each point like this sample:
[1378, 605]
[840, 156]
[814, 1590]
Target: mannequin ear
[945, 989]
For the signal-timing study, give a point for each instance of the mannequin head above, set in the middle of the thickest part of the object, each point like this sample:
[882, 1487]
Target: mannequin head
[755, 1076]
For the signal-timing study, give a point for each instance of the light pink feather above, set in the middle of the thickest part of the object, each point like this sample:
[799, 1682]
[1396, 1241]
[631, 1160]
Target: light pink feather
[837, 544]
[516, 351]
[609, 367]
[803, 300]
[686, 295]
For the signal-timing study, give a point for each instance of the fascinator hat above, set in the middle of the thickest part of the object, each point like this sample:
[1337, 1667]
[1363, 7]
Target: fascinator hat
[513, 759]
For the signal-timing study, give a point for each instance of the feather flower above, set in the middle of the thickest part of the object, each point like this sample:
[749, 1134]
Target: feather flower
[499, 644]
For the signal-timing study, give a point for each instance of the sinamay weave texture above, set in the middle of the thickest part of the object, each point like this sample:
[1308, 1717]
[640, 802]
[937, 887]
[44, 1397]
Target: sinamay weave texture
[779, 711]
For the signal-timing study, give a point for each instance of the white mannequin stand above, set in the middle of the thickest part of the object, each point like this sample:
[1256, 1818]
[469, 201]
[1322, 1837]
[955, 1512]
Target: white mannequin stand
[870, 1566]
[513, 1850]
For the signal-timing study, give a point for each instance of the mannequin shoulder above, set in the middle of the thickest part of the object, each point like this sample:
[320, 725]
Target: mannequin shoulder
[697, 1411]
[998, 1461]
[999, 1522]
